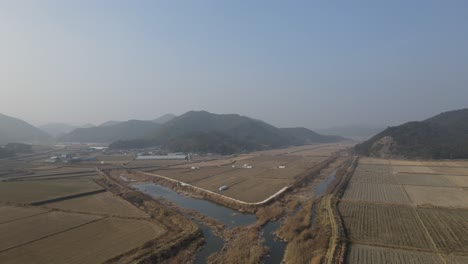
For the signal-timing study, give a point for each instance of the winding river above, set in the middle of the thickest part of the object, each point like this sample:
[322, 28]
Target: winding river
[228, 217]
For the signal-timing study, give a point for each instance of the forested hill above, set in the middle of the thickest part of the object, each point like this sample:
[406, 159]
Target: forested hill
[444, 136]
[201, 131]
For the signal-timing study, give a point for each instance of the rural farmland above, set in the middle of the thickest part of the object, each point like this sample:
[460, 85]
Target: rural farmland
[401, 211]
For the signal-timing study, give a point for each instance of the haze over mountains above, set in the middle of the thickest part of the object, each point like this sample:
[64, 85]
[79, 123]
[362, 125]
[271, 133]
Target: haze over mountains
[16, 130]
[201, 131]
[444, 136]
[357, 132]
[194, 131]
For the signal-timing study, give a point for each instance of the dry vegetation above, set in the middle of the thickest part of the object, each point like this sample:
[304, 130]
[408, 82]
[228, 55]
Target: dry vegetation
[89, 228]
[92, 243]
[395, 233]
[103, 203]
[245, 248]
[371, 255]
[384, 193]
[34, 191]
[381, 224]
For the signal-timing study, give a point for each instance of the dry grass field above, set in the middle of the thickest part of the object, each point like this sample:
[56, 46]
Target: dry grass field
[390, 233]
[101, 203]
[438, 196]
[255, 184]
[374, 168]
[424, 179]
[374, 177]
[460, 181]
[358, 254]
[448, 228]
[91, 243]
[154, 163]
[22, 231]
[192, 176]
[11, 213]
[413, 169]
[34, 191]
[255, 190]
[452, 259]
[373, 161]
[382, 224]
[384, 193]
[450, 170]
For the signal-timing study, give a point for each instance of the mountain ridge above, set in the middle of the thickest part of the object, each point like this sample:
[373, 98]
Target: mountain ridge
[444, 136]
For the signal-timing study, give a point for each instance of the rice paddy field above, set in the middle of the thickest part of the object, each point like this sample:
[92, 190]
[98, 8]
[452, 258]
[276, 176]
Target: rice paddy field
[69, 213]
[26, 192]
[253, 177]
[102, 203]
[94, 242]
[77, 226]
[397, 211]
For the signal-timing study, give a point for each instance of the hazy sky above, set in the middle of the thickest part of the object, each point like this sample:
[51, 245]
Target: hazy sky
[290, 63]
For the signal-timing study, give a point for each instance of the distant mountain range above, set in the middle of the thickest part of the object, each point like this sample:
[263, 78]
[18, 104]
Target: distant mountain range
[194, 131]
[444, 136]
[160, 120]
[164, 118]
[111, 131]
[356, 132]
[56, 129]
[201, 131]
[131, 129]
[13, 130]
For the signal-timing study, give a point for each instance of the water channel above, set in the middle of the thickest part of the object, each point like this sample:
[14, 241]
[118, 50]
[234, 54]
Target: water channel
[228, 217]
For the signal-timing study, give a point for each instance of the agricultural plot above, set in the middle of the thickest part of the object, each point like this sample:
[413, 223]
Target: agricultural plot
[91, 175]
[267, 162]
[412, 169]
[374, 177]
[215, 182]
[102, 203]
[211, 163]
[448, 228]
[286, 173]
[11, 213]
[406, 163]
[438, 196]
[450, 170]
[424, 179]
[191, 176]
[34, 191]
[374, 168]
[373, 161]
[380, 224]
[452, 259]
[306, 163]
[91, 243]
[255, 190]
[384, 193]
[39, 226]
[460, 181]
[358, 254]
[154, 163]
